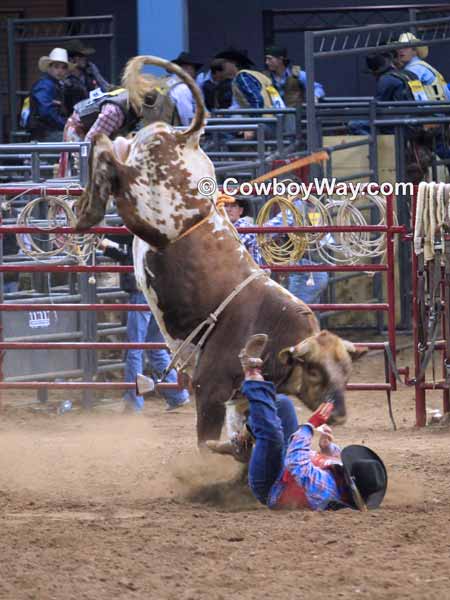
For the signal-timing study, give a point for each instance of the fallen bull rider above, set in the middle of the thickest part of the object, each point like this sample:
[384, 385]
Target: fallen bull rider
[283, 470]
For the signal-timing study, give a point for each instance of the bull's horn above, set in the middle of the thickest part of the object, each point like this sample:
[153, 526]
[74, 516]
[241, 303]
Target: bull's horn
[302, 349]
[354, 352]
[285, 355]
[138, 85]
[295, 352]
[349, 346]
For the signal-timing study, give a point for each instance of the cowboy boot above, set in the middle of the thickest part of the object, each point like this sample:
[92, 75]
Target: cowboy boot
[239, 446]
[250, 355]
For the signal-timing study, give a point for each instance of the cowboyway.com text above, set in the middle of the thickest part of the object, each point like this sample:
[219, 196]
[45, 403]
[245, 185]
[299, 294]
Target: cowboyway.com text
[317, 187]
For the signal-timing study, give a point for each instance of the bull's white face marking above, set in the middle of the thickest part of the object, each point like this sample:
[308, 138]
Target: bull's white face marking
[140, 249]
[158, 203]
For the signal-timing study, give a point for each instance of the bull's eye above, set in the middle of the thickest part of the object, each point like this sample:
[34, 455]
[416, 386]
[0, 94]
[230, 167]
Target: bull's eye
[314, 373]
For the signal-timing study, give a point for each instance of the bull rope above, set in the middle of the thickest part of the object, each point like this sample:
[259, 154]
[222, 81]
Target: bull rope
[209, 323]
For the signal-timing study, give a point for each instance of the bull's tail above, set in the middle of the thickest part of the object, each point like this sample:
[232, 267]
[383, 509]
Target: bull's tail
[138, 85]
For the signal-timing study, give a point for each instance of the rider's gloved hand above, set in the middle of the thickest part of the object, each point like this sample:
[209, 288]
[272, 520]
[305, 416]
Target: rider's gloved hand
[321, 414]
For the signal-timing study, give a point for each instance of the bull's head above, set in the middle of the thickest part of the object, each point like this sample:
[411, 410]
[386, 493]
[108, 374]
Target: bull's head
[154, 177]
[326, 363]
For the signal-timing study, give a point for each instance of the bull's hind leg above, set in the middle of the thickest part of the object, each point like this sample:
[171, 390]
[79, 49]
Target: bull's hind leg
[210, 398]
[210, 419]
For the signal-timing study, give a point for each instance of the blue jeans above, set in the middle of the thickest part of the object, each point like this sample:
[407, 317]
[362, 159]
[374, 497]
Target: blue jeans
[272, 420]
[142, 327]
[298, 284]
[10, 287]
[358, 127]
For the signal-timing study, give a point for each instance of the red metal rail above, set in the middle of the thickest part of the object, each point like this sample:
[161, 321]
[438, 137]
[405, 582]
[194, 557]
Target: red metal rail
[390, 229]
[144, 307]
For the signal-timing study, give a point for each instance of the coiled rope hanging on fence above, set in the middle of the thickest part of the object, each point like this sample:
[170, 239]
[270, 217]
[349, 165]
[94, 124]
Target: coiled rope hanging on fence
[338, 249]
[286, 248]
[46, 213]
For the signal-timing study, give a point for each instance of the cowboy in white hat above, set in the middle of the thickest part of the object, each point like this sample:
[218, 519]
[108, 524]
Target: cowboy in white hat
[47, 112]
[412, 58]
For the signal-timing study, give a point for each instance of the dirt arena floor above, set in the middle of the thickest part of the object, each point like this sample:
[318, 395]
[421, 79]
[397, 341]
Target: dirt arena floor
[104, 506]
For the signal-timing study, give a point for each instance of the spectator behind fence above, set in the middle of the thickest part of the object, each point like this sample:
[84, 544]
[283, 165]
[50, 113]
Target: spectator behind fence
[435, 86]
[142, 327]
[306, 286]
[48, 114]
[85, 76]
[392, 85]
[10, 248]
[413, 59]
[290, 81]
[216, 86]
[251, 89]
[179, 92]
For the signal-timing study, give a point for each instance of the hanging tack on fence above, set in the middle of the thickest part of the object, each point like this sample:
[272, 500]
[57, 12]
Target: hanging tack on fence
[47, 213]
[286, 248]
[346, 248]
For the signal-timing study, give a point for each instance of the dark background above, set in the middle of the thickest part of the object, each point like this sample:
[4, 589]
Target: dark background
[213, 25]
[216, 25]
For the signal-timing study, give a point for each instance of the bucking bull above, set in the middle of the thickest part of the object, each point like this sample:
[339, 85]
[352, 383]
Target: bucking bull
[193, 269]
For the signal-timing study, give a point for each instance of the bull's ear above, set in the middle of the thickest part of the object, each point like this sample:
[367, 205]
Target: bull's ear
[354, 352]
[286, 356]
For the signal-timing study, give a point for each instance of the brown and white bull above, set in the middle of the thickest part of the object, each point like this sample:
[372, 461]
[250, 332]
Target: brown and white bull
[188, 260]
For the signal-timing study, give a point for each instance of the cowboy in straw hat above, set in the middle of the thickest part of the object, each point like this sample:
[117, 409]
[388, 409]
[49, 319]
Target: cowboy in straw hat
[58, 58]
[47, 110]
[412, 58]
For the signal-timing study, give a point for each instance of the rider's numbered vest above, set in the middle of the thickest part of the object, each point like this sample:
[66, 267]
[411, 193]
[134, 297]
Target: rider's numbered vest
[270, 94]
[437, 90]
[89, 109]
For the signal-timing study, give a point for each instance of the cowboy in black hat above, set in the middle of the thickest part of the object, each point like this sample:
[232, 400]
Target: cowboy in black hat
[188, 63]
[293, 476]
[393, 85]
[85, 77]
[290, 81]
[179, 91]
[251, 89]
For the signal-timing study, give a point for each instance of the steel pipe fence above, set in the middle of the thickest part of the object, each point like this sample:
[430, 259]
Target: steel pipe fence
[419, 273]
[53, 30]
[91, 307]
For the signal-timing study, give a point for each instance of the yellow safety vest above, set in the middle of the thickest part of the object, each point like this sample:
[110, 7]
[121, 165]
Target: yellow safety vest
[437, 89]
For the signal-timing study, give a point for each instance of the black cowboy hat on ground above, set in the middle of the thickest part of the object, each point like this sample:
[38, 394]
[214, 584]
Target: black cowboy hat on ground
[237, 56]
[366, 476]
[76, 46]
[184, 58]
